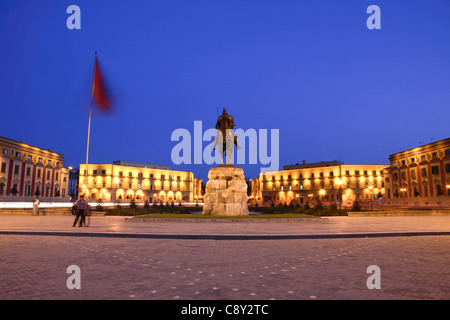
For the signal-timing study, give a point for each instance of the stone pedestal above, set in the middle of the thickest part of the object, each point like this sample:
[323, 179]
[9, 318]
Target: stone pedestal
[226, 192]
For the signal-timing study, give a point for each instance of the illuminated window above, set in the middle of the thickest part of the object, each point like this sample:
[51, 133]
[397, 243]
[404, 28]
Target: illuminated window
[423, 171]
[435, 170]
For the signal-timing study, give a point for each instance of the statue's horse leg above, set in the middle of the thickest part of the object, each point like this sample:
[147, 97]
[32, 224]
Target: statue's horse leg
[215, 143]
[238, 147]
[221, 150]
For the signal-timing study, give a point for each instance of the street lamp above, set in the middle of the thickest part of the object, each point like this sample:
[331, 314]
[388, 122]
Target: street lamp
[339, 182]
[84, 191]
[310, 196]
[116, 182]
[403, 192]
[322, 192]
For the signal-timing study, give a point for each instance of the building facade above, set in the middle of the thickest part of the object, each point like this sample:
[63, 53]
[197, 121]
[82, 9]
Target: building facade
[420, 175]
[138, 182]
[325, 181]
[27, 171]
[73, 189]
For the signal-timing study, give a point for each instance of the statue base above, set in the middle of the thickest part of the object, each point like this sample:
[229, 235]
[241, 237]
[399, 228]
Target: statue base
[226, 192]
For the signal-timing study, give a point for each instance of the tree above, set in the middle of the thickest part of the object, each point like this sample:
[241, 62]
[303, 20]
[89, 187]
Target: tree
[356, 206]
[99, 205]
[14, 190]
[319, 205]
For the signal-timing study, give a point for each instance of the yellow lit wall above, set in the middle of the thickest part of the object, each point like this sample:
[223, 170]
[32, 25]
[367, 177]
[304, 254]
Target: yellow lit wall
[110, 182]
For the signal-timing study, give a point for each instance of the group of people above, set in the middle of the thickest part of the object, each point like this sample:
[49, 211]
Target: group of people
[80, 209]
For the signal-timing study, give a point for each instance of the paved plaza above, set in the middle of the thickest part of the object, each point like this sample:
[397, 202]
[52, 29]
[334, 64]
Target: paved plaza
[413, 257]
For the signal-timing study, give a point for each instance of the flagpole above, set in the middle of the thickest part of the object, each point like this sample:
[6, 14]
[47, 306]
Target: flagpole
[89, 127]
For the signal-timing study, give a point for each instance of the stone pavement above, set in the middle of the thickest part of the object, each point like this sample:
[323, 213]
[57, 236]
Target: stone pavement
[191, 228]
[35, 252]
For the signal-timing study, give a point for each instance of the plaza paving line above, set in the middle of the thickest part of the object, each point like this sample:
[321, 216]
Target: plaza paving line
[226, 237]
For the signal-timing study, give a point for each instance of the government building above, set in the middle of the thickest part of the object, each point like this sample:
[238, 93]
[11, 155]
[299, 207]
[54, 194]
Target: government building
[124, 181]
[331, 181]
[27, 171]
[420, 176]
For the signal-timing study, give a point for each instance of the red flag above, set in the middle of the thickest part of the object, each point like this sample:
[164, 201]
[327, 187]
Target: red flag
[99, 91]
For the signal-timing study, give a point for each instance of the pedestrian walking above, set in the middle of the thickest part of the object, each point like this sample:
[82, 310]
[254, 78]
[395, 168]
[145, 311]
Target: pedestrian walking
[36, 204]
[81, 205]
[74, 209]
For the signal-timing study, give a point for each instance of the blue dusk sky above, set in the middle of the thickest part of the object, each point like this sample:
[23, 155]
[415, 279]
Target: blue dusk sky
[312, 69]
